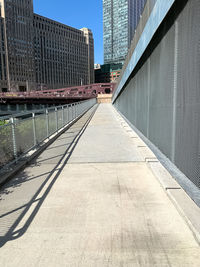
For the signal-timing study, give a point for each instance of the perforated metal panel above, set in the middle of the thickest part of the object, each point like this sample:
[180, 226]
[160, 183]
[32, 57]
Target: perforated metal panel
[187, 145]
[52, 121]
[60, 117]
[41, 127]
[24, 135]
[162, 99]
[161, 94]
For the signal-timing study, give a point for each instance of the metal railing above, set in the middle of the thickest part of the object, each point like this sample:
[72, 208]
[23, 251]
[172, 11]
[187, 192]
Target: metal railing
[21, 133]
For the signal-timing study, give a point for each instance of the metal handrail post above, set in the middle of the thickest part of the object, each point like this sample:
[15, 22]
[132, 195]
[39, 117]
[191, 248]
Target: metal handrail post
[34, 129]
[78, 108]
[47, 122]
[67, 113]
[56, 115]
[62, 116]
[75, 110]
[14, 138]
[72, 111]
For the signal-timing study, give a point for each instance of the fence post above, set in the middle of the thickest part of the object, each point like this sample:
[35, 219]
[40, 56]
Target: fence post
[72, 111]
[67, 114]
[75, 110]
[47, 122]
[78, 108]
[56, 114]
[34, 129]
[62, 116]
[14, 138]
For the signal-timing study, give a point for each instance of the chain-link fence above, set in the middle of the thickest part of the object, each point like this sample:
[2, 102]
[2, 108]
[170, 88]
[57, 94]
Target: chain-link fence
[22, 133]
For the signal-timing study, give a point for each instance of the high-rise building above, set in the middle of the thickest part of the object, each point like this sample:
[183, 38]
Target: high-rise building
[17, 18]
[3, 65]
[37, 52]
[90, 46]
[64, 56]
[120, 19]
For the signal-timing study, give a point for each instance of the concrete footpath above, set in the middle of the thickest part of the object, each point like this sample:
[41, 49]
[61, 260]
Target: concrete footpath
[93, 199]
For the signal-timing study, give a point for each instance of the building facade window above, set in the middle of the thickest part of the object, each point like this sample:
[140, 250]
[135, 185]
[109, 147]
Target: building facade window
[120, 19]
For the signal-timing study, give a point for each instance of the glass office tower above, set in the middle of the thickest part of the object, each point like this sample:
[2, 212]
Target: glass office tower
[120, 19]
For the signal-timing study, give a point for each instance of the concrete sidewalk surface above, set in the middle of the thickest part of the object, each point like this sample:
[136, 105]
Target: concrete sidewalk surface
[96, 197]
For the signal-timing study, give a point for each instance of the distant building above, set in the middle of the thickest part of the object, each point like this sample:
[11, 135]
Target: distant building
[17, 20]
[108, 73]
[3, 58]
[90, 54]
[120, 19]
[97, 66]
[39, 53]
[64, 56]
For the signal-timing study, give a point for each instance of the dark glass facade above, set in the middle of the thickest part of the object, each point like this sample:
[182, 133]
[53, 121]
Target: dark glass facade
[120, 19]
[108, 73]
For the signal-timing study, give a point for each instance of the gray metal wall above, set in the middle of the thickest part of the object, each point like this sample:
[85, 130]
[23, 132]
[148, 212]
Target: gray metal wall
[162, 99]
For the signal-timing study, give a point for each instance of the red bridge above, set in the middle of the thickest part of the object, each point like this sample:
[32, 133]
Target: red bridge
[63, 95]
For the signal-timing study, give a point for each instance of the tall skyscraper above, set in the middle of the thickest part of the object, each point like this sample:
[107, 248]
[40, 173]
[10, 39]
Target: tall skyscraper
[120, 19]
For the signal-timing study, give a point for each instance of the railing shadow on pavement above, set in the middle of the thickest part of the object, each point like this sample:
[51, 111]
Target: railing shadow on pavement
[15, 227]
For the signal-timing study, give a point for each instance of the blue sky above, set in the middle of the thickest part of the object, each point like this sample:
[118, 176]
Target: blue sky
[78, 14]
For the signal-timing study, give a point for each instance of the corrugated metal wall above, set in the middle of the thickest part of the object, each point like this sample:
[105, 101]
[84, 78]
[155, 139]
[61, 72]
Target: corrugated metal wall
[162, 99]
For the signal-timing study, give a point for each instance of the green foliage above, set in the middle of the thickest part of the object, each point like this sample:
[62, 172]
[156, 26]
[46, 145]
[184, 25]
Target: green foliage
[2, 122]
[6, 148]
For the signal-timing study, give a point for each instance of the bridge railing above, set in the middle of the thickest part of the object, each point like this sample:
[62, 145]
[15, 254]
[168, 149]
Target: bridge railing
[77, 92]
[49, 94]
[22, 133]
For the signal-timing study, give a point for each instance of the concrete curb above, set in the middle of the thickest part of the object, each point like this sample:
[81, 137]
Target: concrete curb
[186, 207]
[28, 157]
